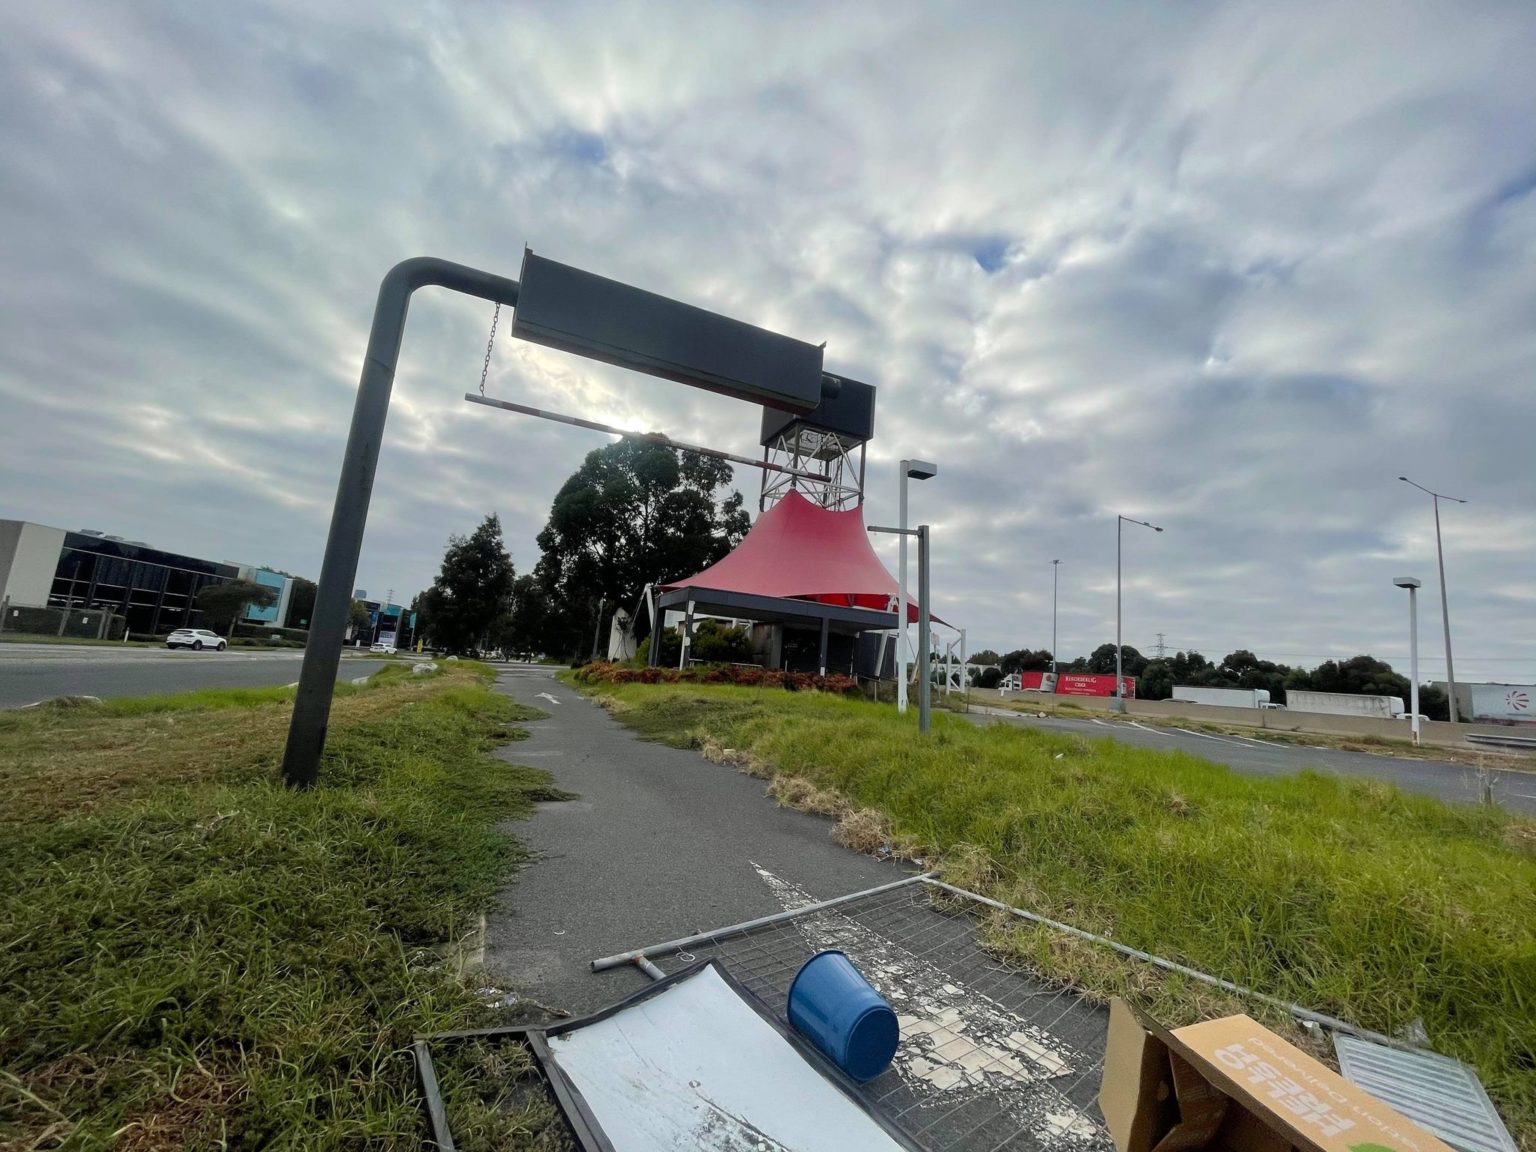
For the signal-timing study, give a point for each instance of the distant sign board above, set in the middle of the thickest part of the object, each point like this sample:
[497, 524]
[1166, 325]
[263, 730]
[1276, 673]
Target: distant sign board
[850, 414]
[1072, 683]
[1504, 703]
[575, 311]
[1088, 684]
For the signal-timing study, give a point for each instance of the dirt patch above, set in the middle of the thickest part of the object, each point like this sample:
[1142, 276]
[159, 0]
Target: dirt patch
[189, 1113]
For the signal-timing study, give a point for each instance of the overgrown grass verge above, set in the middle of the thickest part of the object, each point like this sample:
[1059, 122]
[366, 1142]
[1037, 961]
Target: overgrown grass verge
[1347, 896]
[192, 955]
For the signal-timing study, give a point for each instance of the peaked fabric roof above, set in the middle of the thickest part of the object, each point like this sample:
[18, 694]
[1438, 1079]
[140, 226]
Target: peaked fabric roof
[803, 551]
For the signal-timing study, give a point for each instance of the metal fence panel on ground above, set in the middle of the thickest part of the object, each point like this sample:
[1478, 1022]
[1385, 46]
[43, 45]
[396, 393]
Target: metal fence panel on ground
[990, 1056]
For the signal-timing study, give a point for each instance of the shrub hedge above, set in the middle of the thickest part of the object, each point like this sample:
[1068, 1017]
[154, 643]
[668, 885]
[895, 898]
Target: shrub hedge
[603, 672]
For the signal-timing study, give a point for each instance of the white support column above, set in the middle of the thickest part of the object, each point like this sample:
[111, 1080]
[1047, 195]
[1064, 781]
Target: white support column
[687, 644]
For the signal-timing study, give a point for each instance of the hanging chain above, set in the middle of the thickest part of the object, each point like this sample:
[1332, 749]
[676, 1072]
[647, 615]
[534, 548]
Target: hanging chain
[489, 344]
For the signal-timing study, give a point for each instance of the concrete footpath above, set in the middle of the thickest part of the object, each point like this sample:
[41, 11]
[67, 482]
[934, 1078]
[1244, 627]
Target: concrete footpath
[660, 844]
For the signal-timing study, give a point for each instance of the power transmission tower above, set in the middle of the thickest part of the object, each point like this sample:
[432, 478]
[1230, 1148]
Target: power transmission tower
[1162, 649]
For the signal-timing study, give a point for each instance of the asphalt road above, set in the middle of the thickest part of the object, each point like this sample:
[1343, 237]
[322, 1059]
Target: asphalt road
[1254, 756]
[32, 672]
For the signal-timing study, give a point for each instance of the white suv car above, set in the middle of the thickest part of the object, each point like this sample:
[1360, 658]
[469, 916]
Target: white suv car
[196, 639]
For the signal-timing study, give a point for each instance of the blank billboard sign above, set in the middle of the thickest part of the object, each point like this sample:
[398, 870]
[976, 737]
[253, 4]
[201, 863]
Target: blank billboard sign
[575, 311]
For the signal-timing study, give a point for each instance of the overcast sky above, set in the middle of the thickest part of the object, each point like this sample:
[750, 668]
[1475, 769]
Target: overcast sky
[1228, 267]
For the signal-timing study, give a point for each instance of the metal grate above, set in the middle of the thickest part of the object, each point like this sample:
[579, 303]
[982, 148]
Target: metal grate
[991, 1058]
[1439, 1093]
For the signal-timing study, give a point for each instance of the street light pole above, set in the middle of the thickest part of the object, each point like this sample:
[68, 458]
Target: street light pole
[917, 470]
[1055, 570]
[1119, 698]
[1445, 611]
[1412, 584]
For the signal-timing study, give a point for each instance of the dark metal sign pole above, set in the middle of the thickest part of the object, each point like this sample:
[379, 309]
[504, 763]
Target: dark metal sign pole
[322, 656]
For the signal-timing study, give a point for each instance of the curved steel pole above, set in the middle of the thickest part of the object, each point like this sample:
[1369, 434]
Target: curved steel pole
[322, 655]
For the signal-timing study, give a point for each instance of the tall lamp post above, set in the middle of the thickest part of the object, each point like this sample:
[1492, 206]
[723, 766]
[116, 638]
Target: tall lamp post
[1120, 523]
[1055, 571]
[1412, 584]
[1445, 611]
[916, 470]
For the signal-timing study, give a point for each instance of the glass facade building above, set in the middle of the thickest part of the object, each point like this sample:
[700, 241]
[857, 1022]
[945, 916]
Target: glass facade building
[156, 591]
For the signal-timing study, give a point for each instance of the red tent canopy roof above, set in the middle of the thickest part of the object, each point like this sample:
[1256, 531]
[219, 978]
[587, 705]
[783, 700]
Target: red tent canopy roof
[800, 550]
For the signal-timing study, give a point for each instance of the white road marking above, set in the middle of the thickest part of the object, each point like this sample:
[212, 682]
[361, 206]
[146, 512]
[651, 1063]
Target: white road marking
[1101, 723]
[547, 696]
[1208, 736]
[1268, 743]
[1154, 731]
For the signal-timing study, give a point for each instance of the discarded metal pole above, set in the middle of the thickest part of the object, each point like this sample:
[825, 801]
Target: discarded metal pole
[634, 954]
[1167, 965]
[333, 597]
[649, 437]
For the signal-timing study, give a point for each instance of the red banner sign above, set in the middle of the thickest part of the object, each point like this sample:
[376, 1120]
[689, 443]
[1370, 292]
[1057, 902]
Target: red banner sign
[1088, 684]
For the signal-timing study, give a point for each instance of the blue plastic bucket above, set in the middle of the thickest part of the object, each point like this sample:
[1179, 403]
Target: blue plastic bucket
[834, 1007]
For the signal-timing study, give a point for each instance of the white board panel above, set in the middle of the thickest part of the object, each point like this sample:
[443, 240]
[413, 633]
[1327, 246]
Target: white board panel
[696, 1067]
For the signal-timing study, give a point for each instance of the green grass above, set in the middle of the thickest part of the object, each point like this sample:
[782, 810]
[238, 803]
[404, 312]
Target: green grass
[1348, 896]
[192, 955]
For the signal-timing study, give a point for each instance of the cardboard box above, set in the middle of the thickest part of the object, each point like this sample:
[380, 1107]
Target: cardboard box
[1233, 1085]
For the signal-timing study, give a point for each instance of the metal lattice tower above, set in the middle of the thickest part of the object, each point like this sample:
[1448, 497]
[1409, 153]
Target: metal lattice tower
[814, 449]
[830, 440]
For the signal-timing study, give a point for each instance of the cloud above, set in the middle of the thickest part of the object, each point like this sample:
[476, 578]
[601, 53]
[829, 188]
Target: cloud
[1231, 268]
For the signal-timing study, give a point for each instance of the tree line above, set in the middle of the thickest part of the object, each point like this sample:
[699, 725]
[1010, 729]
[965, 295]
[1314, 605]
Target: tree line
[636, 513]
[1155, 678]
[633, 514]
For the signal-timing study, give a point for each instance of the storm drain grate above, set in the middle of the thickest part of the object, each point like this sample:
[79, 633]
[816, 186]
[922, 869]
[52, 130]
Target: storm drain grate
[1439, 1093]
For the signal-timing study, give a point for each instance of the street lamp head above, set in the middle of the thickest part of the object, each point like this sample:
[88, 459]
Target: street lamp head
[1407, 581]
[1155, 528]
[919, 469]
[1428, 492]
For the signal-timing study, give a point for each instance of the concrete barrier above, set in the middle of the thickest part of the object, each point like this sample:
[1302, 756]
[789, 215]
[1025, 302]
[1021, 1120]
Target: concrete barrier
[1438, 732]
